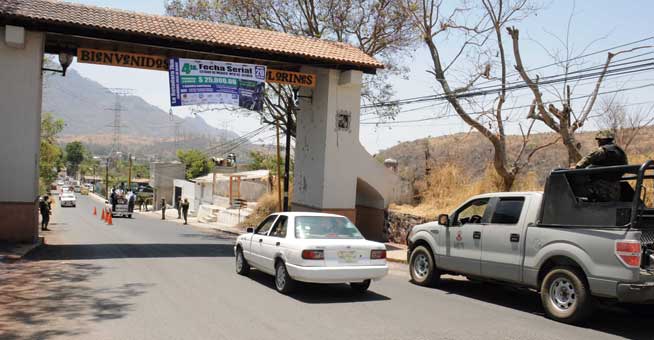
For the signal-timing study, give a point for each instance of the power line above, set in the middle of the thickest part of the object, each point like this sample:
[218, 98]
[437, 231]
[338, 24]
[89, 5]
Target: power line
[644, 65]
[401, 101]
[447, 103]
[507, 108]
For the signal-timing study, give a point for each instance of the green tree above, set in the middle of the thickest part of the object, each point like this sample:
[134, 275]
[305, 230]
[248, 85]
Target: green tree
[50, 161]
[75, 152]
[196, 162]
[89, 165]
[266, 161]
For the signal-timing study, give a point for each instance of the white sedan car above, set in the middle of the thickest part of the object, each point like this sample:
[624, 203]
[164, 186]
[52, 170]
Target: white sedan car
[67, 199]
[311, 247]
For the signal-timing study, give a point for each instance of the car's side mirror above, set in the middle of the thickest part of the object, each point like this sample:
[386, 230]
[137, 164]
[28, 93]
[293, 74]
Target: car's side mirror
[106, 202]
[443, 219]
[249, 230]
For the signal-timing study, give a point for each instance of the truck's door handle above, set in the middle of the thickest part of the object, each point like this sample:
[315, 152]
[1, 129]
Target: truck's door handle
[476, 235]
[515, 238]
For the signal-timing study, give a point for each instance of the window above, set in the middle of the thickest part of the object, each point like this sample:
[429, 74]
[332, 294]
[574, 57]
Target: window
[508, 210]
[263, 228]
[325, 227]
[473, 212]
[279, 229]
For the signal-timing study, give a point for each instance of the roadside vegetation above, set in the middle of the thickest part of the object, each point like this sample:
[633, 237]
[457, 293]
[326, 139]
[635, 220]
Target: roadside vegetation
[51, 155]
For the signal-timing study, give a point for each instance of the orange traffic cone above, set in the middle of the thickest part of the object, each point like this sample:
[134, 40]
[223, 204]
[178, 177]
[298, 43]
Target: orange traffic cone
[103, 215]
[110, 219]
[95, 213]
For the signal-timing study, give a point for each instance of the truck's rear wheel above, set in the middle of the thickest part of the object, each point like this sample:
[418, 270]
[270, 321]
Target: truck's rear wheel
[565, 295]
[422, 267]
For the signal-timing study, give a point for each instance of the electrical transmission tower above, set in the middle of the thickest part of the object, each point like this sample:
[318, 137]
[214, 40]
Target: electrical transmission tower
[117, 109]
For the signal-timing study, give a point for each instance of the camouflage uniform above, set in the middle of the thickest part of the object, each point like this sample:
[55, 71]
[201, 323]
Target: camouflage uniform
[604, 188]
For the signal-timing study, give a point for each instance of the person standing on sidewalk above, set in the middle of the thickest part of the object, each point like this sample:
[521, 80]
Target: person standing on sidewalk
[185, 205]
[45, 209]
[179, 208]
[163, 208]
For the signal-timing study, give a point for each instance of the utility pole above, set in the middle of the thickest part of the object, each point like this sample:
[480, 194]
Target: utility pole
[279, 170]
[106, 180]
[287, 157]
[129, 173]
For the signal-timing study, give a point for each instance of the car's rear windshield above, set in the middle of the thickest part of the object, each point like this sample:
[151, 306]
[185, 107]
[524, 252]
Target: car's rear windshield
[325, 227]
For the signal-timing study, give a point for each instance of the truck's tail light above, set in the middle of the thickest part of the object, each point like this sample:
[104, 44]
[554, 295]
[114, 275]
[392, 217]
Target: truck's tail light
[629, 252]
[312, 254]
[378, 254]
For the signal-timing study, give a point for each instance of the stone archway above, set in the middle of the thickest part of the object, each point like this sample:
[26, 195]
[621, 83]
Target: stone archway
[370, 211]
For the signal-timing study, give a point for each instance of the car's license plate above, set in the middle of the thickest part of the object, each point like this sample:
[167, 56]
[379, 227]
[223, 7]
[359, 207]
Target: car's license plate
[348, 256]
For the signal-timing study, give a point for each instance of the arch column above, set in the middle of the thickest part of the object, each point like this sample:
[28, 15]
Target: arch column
[20, 132]
[329, 158]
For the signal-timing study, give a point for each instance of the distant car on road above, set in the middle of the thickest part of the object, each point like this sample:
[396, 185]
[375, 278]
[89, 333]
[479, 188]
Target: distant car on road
[68, 199]
[311, 247]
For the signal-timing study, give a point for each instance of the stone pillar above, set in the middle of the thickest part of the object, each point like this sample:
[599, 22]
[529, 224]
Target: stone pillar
[327, 133]
[21, 59]
[333, 172]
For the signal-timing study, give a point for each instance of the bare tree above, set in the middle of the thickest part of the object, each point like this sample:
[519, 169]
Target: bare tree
[563, 118]
[378, 27]
[624, 123]
[481, 27]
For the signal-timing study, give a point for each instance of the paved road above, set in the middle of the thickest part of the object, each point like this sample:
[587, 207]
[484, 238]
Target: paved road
[147, 279]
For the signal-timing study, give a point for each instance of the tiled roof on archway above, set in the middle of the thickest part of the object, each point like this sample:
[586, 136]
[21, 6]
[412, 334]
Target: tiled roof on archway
[54, 15]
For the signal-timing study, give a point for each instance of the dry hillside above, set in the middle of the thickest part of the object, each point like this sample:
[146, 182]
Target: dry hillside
[460, 166]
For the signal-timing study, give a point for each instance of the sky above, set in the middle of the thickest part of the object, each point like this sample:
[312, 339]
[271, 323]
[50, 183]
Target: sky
[601, 23]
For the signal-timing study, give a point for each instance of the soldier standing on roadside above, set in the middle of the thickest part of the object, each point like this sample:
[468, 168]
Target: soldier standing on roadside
[163, 208]
[45, 209]
[604, 188]
[185, 205]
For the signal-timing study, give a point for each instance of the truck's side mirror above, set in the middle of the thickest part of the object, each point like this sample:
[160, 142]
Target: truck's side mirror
[443, 219]
[249, 230]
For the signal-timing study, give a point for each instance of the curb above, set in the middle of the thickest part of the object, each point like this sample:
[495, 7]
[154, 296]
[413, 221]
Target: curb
[23, 251]
[204, 226]
[388, 259]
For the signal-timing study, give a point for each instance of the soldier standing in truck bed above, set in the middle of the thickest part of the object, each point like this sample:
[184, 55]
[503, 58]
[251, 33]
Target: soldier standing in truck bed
[604, 188]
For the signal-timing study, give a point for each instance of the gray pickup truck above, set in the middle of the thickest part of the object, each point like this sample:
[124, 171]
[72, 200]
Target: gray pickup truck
[568, 244]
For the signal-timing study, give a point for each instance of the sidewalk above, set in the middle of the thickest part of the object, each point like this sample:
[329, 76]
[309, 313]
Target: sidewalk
[171, 216]
[396, 252]
[16, 251]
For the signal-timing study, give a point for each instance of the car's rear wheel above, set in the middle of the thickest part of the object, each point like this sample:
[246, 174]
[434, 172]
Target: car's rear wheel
[242, 265]
[565, 295]
[423, 268]
[283, 281]
[360, 287]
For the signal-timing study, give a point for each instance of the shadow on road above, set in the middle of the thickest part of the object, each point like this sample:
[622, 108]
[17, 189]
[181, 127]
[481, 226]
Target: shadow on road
[608, 319]
[216, 235]
[321, 293]
[41, 300]
[119, 250]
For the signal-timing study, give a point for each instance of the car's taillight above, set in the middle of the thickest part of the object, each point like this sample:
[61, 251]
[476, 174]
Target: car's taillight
[629, 252]
[312, 254]
[377, 254]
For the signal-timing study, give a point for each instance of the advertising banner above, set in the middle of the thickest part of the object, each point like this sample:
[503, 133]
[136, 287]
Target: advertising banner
[197, 82]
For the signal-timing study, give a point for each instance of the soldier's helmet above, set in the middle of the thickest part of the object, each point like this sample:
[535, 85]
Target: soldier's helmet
[605, 134]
